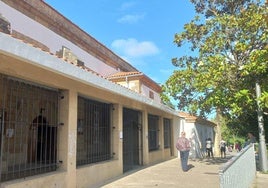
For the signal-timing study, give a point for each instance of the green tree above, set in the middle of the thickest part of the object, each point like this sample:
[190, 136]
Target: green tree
[236, 129]
[228, 40]
[229, 44]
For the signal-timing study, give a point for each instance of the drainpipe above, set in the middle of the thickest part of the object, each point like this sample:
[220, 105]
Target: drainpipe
[127, 81]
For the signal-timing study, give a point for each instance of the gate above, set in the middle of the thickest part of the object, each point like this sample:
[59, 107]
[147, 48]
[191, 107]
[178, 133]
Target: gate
[132, 149]
[28, 133]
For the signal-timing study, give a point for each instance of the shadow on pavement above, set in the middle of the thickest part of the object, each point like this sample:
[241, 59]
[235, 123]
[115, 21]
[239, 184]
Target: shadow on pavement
[214, 160]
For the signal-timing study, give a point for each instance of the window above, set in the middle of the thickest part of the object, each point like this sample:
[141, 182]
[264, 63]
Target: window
[167, 132]
[93, 131]
[151, 94]
[29, 120]
[153, 129]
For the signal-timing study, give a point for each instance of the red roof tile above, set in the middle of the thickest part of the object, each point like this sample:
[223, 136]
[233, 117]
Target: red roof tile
[124, 74]
[192, 119]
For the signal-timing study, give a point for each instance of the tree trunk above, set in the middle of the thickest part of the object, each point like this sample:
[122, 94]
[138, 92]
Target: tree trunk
[218, 133]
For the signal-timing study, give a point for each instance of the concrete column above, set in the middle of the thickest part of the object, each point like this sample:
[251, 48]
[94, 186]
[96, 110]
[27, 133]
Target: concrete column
[177, 124]
[117, 136]
[145, 137]
[68, 136]
[161, 136]
[141, 138]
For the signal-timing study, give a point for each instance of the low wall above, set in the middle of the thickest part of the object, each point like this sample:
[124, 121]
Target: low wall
[52, 179]
[91, 175]
[239, 171]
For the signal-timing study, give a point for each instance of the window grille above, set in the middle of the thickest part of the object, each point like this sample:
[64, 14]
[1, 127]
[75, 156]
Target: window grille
[167, 132]
[153, 128]
[93, 131]
[28, 117]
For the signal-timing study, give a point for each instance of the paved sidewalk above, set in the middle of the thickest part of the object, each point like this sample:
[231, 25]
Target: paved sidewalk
[168, 174]
[261, 181]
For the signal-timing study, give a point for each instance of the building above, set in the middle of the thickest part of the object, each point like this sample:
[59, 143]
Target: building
[139, 82]
[198, 130]
[67, 118]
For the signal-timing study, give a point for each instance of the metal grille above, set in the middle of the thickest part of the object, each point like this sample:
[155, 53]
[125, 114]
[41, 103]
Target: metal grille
[153, 128]
[167, 133]
[93, 131]
[29, 115]
[131, 135]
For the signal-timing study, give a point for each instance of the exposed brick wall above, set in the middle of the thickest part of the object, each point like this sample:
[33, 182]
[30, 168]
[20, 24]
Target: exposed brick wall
[50, 18]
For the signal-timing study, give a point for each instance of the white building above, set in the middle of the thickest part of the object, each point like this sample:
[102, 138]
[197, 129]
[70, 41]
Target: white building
[198, 130]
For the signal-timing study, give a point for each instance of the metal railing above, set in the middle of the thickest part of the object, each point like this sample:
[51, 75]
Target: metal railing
[239, 171]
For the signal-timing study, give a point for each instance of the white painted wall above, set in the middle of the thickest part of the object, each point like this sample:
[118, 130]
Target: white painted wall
[197, 133]
[145, 91]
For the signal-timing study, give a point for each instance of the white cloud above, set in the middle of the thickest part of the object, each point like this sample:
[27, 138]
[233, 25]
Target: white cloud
[134, 18]
[132, 48]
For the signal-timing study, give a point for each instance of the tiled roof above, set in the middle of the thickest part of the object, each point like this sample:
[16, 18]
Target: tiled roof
[124, 74]
[119, 76]
[187, 115]
[195, 119]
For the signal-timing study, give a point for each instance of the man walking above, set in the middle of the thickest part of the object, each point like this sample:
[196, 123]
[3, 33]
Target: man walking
[209, 147]
[183, 145]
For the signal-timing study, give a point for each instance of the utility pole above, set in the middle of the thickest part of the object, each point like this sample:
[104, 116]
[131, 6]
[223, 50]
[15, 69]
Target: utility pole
[262, 145]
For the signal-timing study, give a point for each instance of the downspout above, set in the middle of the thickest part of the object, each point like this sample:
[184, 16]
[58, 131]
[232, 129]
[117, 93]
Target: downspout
[126, 79]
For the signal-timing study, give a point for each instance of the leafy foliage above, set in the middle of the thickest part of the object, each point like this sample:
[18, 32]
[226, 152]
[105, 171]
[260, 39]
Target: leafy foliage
[236, 129]
[229, 44]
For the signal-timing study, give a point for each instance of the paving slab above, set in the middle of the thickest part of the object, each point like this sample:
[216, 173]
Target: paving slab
[261, 180]
[168, 174]
[203, 174]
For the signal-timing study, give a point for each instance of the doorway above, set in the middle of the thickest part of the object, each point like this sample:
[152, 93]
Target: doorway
[132, 134]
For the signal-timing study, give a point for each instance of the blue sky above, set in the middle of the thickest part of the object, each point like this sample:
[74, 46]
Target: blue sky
[139, 31]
